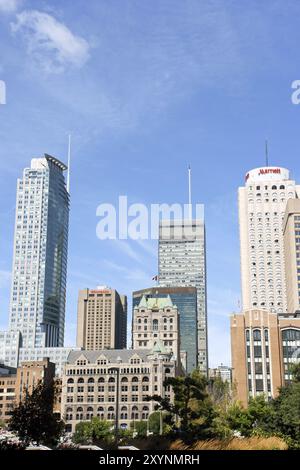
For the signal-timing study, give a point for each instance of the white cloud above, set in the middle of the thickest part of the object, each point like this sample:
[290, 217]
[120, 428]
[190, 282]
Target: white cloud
[9, 6]
[50, 44]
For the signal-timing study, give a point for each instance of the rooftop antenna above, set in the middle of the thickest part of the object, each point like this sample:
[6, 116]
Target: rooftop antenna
[267, 153]
[190, 193]
[69, 164]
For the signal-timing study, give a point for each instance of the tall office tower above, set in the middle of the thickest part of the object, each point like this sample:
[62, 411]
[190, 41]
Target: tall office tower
[185, 299]
[263, 345]
[101, 319]
[291, 233]
[182, 263]
[38, 292]
[156, 320]
[262, 204]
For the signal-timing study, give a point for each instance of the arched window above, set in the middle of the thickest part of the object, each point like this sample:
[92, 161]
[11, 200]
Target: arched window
[291, 335]
[101, 380]
[155, 325]
[70, 381]
[124, 379]
[91, 380]
[134, 379]
[80, 380]
[145, 379]
[256, 335]
[111, 380]
[167, 370]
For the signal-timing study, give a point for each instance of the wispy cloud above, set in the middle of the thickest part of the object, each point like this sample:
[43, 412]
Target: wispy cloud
[50, 43]
[127, 249]
[9, 6]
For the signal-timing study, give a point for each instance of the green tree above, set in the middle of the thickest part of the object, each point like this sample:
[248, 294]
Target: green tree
[192, 409]
[87, 432]
[33, 419]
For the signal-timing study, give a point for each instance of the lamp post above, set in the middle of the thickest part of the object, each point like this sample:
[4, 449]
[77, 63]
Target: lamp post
[116, 370]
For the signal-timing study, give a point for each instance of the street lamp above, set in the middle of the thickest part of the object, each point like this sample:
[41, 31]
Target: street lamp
[116, 370]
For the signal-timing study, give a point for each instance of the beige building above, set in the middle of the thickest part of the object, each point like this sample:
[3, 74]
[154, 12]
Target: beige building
[156, 319]
[109, 382]
[13, 383]
[262, 206]
[101, 319]
[291, 231]
[264, 345]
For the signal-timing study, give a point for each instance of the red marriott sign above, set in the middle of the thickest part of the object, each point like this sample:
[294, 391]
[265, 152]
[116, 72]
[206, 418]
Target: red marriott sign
[266, 171]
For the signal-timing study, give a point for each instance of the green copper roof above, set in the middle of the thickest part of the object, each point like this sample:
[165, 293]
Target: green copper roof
[156, 302]
[159, 348]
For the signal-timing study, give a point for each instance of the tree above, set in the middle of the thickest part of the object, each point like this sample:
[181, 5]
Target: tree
[33, 419]
[92, 431]
[192, 406]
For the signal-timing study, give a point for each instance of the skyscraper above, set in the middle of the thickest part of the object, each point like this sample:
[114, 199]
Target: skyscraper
[185, 298]
[38, 291]
[101, 319]
[262, 205]
[291, 233]
[182, 263]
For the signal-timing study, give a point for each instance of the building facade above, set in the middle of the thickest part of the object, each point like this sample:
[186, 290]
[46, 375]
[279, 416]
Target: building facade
[101, 319]
[109, 382]
[14, 383]
[182, 263]
[223, 372]
[291, 234]
[262, 206]
[156, 320]
[38, 291]
[185, 299]
[263, 347]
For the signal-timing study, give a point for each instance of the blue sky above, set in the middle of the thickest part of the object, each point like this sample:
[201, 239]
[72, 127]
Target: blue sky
[147, 88]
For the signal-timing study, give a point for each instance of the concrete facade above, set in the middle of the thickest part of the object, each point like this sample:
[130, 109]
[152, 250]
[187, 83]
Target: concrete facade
[263, 347]
[101, 319]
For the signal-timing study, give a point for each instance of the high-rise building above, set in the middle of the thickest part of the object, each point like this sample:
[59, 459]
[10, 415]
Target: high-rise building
[101, 319]
[264, 346]
[38, 291]
[291, 233]
[262, 205]
[185, 299]
[156, 320]
[182, 263]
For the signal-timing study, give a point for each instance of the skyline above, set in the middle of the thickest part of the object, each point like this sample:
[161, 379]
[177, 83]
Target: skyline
[154, 112]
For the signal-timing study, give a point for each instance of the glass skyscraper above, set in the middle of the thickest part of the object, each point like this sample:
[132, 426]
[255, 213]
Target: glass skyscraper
[182, 263]
[185, 299]
[38, 291]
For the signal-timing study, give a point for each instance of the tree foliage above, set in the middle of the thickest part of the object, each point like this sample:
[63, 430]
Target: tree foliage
[192, 410]
[33, 419]
[88, 432]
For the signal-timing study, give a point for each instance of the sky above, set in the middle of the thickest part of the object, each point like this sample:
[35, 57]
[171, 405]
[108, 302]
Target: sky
[147, 88]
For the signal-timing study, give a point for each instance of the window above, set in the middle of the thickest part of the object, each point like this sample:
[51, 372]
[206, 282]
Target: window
[256, 335]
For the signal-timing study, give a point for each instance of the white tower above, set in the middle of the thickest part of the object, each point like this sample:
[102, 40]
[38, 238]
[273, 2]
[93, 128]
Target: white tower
[262, 204]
